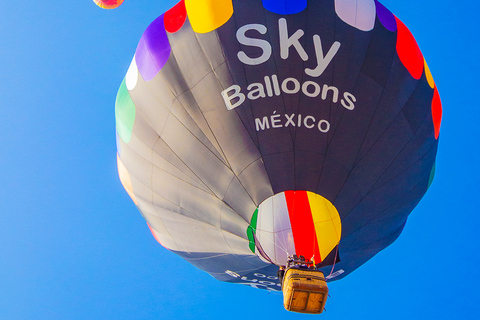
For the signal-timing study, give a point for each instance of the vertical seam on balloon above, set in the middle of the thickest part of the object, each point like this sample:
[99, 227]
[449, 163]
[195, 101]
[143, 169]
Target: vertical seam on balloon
[190, 90]
[329, 134]
[273, 232]
[153, 165]
[294, 136]
[378, 240]
[382, 93]
[166, 229]
[222, 231]
[342, 112]
[245, 77]
[289, 227]
[180, 159]
[172, 55]
[212, 71]
[412, 165]
[228, 188]
[328, 206]
[206, 189]
[188, 174]
[170, 113]
[400, 111]
[355, 162]
[251, 108]
[221, 159]
[191, 215]
[354, 233]
[393, 160]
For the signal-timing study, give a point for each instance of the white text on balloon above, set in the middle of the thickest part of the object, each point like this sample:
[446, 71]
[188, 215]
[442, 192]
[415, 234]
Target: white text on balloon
[286, 42]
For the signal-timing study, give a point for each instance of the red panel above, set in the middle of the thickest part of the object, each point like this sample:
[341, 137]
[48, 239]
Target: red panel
[301, 220]
[408, 51]
[175, 17]
[436, 112]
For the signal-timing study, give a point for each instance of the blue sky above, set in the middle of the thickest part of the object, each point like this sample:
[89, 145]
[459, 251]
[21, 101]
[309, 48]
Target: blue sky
[73, 245]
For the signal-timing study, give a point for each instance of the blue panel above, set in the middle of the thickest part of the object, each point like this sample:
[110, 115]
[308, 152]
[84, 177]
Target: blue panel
[285, 6]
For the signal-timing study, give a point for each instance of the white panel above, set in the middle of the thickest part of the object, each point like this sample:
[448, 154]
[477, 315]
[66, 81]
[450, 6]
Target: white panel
[265, 216]
[357, 13]
[264, 232]
[274, 231]
[132, 75]
[281, 218]
[283, 230]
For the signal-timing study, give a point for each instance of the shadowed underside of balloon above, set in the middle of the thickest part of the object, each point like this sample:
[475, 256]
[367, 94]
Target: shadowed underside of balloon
[251, 130]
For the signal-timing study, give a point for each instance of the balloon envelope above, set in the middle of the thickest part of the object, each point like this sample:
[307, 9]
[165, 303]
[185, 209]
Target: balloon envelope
[250, 130]
[108, 4]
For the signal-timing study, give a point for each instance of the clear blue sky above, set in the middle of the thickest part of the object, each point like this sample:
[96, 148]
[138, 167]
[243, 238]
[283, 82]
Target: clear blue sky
[73, 245]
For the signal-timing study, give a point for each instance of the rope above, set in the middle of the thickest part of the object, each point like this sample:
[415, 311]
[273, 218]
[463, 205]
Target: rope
[334, 261]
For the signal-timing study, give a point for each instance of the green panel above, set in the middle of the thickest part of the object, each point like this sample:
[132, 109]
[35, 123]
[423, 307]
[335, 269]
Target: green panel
[124, 113]
[252, 228]
[432, 174]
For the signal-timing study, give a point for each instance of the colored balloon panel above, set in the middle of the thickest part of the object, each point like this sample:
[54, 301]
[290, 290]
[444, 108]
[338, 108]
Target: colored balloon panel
[108, 4]
[251, 130]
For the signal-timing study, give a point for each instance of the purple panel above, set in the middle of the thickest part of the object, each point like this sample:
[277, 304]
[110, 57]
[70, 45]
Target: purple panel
[386, 17]
[153, 50]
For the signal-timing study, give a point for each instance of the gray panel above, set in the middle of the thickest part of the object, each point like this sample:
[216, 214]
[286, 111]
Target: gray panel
[227, 127]
[237, 245]
[194, 236]
[162, 152]
[381, 156]
[254, 178]
[161, 232]
[184, 117]
[189, 104]
[189, 55]
[162, 164]
[233, 223]
[210, 45]
[191, 200]
[137, 166]
[194, 205]
[195, 155]
[239, 200]
[148, 106]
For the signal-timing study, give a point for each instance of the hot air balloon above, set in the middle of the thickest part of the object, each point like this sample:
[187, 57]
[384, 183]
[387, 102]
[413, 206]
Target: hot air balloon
[108, 4]
[250, 132]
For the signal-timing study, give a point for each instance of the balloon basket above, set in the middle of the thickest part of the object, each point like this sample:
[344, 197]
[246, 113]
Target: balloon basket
[304, 291]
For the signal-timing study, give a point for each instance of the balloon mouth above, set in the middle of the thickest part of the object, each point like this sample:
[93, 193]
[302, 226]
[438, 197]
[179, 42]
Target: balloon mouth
[294, 222]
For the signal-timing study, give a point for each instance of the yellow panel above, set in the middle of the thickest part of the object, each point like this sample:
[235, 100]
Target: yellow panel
[208, 15]
[429, 76]
[125, 179]
[328, 225]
